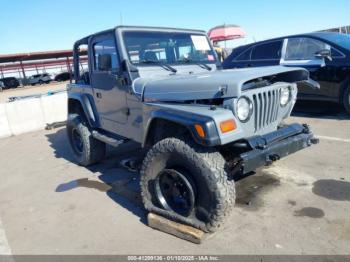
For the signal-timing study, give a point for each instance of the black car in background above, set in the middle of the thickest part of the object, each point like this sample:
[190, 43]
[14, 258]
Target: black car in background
[325, 55]
[64, 76]
[10, 82]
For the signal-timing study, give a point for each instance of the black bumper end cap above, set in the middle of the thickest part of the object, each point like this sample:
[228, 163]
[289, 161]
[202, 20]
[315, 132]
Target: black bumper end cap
[314, 140]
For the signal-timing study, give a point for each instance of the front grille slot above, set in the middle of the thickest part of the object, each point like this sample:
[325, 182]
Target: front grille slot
[266, 105]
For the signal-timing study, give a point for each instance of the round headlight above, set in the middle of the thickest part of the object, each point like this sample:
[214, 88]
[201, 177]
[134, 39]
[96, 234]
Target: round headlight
[285, 95]
[244, 109]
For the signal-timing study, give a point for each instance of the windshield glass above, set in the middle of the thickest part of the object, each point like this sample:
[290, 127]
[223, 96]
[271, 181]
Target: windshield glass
[342, 40]
[165, 47]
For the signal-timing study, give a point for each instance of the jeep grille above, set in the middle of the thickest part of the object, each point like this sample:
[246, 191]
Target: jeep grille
[266, 105]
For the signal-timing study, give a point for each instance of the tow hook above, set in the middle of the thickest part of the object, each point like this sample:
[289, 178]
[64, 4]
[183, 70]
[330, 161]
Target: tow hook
[272, 158]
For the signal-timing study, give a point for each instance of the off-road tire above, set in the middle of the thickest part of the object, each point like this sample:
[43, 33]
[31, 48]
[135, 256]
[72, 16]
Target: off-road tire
[93, 150]
[215, 193]
[346, 100]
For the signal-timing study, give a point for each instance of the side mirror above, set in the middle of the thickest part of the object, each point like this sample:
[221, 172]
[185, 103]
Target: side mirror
[104, 62]
[324, 53]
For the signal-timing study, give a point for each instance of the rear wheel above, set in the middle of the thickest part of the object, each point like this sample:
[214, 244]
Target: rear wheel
[187, 183]
[87, 150]
[346, 100]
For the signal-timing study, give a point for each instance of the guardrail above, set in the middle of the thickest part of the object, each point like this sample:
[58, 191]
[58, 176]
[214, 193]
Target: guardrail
[27, 114]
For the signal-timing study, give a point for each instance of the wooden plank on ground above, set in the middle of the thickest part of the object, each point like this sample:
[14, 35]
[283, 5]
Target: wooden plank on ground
[185, 232]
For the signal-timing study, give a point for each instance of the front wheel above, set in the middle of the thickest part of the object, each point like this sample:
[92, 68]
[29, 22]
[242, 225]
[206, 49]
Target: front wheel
[187, 183]
[346, 100]
[86, 149]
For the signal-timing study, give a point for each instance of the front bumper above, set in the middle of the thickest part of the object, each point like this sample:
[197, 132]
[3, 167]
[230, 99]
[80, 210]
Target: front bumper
[275, 145]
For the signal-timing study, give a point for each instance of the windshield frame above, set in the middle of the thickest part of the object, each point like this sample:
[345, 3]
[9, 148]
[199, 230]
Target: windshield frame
[121, 43]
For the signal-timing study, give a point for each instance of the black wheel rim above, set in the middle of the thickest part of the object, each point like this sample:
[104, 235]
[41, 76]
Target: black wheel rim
[175, 192]
[77, 141]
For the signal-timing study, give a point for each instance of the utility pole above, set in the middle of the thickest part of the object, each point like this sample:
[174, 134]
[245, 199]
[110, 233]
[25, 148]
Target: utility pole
[68, 65]
[23, 72]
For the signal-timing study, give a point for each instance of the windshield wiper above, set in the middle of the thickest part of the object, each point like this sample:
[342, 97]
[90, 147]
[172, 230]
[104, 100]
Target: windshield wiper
[202, 65]
[162, 64]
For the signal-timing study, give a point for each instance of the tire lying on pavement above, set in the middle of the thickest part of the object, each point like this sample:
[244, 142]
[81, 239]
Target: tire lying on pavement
[187, 183]
[86, 149]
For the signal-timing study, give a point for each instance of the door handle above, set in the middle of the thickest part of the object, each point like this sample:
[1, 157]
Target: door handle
[99, 95]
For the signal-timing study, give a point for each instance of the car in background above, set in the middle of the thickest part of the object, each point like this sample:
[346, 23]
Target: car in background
[2, 86]
[64, 76]
[10, 82]
[325, 55]
[39, 79]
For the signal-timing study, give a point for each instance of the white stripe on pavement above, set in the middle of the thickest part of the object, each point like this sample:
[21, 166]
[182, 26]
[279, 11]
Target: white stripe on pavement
[4, 245]
[334, 138]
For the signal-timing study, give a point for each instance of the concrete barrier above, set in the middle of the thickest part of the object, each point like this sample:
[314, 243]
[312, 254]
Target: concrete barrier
[54, 107]
[32, 114]
[25, 115]
[5, 130]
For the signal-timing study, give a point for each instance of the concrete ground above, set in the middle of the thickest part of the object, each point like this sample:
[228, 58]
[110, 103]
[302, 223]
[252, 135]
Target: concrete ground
[49, 205]
[32, 90]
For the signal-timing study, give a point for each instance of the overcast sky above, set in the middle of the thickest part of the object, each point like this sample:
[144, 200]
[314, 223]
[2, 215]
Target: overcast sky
[39, 25]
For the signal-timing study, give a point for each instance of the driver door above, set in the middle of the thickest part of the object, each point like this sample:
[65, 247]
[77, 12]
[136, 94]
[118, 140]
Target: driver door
[107, 82]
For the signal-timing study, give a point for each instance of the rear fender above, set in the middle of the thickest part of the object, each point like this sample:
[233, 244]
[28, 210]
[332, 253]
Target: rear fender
[87, 104]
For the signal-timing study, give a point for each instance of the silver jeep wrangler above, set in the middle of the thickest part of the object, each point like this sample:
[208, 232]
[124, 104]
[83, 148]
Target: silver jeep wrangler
[201, 127]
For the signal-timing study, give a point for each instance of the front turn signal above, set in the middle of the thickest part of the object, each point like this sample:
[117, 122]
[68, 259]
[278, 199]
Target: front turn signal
[200, 130]
[227, 126]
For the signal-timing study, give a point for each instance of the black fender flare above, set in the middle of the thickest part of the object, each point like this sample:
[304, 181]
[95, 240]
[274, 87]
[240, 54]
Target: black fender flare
[188, 121]
[88, 106]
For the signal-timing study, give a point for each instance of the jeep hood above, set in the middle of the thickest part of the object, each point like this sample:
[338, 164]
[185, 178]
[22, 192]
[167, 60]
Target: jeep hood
[209, 85]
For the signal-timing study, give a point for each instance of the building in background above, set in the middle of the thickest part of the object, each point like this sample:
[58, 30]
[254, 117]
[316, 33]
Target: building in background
[341, 29]
[23, 65]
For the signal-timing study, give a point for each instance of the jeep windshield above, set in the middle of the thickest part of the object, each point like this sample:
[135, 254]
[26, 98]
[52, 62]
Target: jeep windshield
[168, 48]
